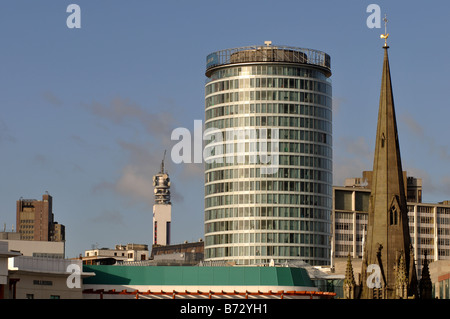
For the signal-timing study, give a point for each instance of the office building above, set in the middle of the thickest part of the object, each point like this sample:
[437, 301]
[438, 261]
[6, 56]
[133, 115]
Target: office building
[413, 186]
[429, 226]
[268, 162]
[35, 220]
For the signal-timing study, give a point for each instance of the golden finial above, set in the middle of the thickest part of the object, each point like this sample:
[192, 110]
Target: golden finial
[385, 35]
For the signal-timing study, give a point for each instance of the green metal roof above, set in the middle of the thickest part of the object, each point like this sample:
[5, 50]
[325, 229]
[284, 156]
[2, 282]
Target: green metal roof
[198, 276]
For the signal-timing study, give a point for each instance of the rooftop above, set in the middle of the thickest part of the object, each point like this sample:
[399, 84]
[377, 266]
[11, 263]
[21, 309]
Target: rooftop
[198, 276]
[268, 53]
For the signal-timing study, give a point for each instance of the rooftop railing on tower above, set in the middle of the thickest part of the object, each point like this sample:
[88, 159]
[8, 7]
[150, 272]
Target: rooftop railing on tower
[268, 53]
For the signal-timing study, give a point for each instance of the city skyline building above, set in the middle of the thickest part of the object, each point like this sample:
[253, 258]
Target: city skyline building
[429, 224]
[274, 101]
[35, 220]
[162, 209]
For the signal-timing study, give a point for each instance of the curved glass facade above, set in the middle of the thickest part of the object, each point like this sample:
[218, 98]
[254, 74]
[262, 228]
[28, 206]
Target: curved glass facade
[254, 214]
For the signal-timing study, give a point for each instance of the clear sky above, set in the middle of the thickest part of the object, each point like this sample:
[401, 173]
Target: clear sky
[87, 113]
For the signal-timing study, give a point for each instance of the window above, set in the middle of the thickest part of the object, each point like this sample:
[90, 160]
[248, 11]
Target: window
[393, 216]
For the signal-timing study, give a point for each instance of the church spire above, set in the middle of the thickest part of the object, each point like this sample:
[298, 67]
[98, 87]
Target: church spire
[388, 215]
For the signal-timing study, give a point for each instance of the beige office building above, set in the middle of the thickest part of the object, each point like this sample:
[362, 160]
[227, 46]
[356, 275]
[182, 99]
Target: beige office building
[429, 223]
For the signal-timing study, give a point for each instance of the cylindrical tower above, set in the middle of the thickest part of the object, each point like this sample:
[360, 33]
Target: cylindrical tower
[273, 98]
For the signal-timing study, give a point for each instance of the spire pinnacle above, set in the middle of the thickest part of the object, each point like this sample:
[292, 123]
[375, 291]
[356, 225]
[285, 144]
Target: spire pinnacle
[385, 35]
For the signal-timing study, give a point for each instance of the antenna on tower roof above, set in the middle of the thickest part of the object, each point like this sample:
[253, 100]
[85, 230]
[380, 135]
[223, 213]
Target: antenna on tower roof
[162, 163]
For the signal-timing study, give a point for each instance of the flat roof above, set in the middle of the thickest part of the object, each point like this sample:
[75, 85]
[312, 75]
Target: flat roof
[197, 276]
[268, 54]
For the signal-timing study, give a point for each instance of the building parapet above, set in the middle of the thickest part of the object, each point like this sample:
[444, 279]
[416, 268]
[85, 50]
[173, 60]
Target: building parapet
[268, 53]
[42, 264]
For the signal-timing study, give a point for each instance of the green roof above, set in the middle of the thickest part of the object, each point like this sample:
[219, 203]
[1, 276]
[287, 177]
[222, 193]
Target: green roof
[197, 276]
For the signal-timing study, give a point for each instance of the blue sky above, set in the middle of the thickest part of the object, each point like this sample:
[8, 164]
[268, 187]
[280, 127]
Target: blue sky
[86, 114]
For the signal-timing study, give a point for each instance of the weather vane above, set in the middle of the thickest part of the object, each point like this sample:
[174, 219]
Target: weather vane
[385, 35]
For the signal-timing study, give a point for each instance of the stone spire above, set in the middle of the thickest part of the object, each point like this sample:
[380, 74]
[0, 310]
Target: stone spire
[387, 228]
[349, 281]
[401, 284]
[425, 285]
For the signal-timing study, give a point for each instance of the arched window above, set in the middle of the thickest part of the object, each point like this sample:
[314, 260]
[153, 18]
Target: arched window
[393, 216]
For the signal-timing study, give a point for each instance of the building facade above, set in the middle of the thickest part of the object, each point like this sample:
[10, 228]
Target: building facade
[429, 226]
[185, 282]
[35, 248]
[128, 252]
[35, 220]
[45, 278]
[268, 170]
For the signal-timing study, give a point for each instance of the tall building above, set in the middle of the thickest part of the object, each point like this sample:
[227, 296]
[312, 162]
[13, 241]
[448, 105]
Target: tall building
[162, 210]
[413, 186]
[35, 220]
[268, 170]
[388, 255]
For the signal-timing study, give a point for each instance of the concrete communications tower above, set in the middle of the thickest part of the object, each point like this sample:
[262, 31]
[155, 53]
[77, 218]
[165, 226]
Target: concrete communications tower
[162, 210]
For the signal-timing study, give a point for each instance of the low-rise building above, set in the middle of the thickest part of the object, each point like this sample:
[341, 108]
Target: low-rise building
[170, 282]
[5, 283]
[107, 256]
[35, 248]
[45, 278]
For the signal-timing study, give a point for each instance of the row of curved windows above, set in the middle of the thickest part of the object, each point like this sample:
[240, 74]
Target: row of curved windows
[268, 70]
[314, 253]
[263, 185]
[283, 172]
[266, 237]
[267, 211]
[261, 108]
[268, 95]
[241, 158]
[268, 198]
[278, 121]
[290, 172]
[252, 172]
[267, 82]
[265, 224]
[245, 145]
